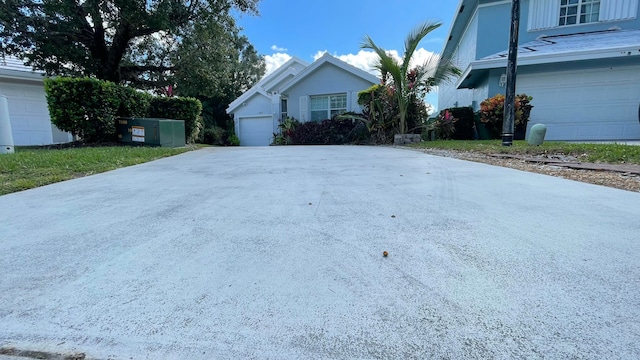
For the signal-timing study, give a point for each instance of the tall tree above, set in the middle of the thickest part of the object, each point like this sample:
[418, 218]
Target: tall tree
[434, 70]
[217, 84]
[228, 67]
[118, 40]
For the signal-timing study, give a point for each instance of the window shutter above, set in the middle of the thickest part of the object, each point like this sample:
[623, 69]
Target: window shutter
[543, 14]
[355, 107]
[303, 108]
[618, 9]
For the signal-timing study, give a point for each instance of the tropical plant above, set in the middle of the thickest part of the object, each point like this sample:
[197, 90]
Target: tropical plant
[405, 83]
[287, 127]
[492, 113]
[379, 111]
[445, 125]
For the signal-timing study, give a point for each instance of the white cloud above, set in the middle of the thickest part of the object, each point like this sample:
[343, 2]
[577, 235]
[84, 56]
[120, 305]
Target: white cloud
[278, 49]
[274, 61]
[366, 60]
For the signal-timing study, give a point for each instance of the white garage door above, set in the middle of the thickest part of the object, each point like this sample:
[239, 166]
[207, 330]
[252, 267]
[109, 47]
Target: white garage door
[29, 115]
[594, 104]
[256, 131]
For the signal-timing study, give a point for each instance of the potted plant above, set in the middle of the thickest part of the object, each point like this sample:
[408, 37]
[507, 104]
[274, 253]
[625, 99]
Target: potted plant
[492, 115]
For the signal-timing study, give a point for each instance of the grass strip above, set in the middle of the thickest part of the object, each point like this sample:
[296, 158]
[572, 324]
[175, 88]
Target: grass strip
[585, 152]
[29, 168]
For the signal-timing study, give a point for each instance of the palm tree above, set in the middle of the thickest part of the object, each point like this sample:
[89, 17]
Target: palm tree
[433, 71]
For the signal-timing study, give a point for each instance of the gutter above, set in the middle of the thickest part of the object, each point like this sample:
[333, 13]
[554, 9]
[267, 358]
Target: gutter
[545, 58]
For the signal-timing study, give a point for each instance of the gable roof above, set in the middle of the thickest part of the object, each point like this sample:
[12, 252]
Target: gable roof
[263, 86]
[609, 44]
[14, 68]
[329, 59]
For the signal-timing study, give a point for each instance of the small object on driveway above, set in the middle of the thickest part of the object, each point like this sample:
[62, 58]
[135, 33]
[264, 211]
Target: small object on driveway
[385, 254]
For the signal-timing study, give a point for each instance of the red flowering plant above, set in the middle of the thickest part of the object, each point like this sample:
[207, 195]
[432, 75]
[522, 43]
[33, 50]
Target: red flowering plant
[445, 125]
[492, 113]
[166, 91]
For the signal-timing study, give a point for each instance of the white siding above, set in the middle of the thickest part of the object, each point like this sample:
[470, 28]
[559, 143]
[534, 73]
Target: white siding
[28, 113]
[303, 108]
[355, 107]
[594, 104]
[543, 14]
[466, 50]
[618, 9]
[465, 53]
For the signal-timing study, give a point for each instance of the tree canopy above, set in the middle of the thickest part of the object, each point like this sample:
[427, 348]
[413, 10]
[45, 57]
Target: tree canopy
[145, 43]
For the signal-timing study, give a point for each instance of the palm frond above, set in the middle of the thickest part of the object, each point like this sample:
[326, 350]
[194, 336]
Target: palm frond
[446, 70]
[385, 61]
[413, 40]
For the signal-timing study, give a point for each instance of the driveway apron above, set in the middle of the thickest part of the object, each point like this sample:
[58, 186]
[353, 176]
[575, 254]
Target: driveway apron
[277, 252]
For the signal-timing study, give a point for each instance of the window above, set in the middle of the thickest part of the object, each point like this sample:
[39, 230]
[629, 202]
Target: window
[325, 107]
[579, 11]
[283, 109]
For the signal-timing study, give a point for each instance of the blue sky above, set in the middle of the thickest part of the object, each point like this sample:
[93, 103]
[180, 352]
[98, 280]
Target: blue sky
[307, 28]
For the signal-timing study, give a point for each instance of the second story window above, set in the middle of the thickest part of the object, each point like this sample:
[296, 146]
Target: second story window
[579, 11]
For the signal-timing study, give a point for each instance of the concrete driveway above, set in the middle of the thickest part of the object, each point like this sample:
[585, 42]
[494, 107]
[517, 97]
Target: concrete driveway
[276, 253]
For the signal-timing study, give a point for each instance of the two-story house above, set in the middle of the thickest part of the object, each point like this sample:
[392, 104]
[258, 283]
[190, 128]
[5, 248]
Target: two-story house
[579, 59]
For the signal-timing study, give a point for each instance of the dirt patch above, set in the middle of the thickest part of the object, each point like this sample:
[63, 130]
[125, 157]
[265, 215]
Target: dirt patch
[625, 177]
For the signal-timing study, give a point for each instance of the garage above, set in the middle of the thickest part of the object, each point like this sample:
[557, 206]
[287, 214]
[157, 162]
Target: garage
[255, 130]
[594, 104]
[28, 111]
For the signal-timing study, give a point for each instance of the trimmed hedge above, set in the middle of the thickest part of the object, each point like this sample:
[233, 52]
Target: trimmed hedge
[88, 108]
[84, 107]
[186, 109]
[133, 103]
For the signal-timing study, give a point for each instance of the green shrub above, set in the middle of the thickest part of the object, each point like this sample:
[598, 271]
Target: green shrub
[215, 136]
[84, 107]
[380, 111]
[336, 131]
[454, 124]
[444, 125]
[287, 127]
[186, 109]
[88, 107]
[492, 115]
[464, 125]
[133, 103]
[233, 140]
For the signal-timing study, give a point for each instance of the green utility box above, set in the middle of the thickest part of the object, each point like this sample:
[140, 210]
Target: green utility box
[154, 132]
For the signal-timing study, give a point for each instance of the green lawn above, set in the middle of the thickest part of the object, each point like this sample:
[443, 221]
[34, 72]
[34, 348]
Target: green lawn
[29, 168]
[604, 153]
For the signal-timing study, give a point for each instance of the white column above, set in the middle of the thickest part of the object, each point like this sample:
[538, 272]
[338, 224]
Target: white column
[6, 137]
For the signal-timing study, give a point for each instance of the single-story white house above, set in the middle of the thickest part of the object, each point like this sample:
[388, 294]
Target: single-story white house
[314, 92]
[28, 111]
